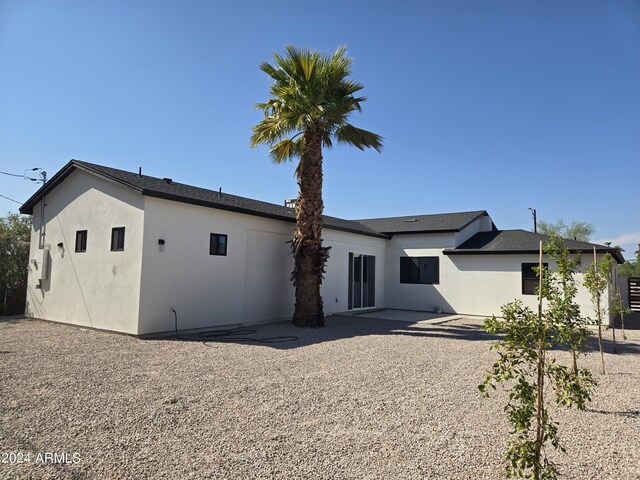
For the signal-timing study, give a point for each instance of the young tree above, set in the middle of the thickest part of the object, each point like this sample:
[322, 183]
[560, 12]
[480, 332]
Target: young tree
[560, 290]
[525, 364]
[15, 234]
[581, 231]
[597, 279]
[311, 101]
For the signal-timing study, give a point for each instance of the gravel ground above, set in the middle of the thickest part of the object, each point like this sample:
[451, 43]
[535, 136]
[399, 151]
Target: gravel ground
[361, 398]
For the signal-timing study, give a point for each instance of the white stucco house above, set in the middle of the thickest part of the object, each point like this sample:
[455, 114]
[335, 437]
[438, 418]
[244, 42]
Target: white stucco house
[119, 250]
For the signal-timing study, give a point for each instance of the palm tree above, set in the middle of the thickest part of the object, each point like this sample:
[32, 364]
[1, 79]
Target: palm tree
[311, 101]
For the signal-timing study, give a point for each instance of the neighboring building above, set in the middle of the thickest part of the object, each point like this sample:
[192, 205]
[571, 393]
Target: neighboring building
[118, 250]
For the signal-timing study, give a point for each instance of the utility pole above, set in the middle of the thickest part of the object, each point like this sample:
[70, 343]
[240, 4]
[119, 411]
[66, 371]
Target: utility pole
[535, 220]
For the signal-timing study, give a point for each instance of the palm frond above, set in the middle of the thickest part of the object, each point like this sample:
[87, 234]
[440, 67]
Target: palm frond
[359, 138]
[269, 130]
[286, 150]
[326, 139]
[271, 71]
[269, 108]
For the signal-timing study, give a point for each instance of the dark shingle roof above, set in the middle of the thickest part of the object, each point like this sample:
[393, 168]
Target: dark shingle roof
[520, 241]
[179, 192]
[436, 223]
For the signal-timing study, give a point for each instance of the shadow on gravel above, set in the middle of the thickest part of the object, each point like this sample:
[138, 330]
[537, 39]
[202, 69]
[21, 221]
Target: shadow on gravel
[622, 347]
[626, 413]
[285, 336]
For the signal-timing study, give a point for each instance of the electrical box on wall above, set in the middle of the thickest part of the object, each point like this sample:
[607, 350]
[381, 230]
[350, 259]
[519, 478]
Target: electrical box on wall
[40, 263]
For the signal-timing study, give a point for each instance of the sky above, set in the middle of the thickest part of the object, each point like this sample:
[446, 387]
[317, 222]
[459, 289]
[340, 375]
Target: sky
[494, 105]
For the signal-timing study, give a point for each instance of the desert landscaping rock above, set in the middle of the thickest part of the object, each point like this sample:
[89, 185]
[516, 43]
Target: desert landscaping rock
[360, 399]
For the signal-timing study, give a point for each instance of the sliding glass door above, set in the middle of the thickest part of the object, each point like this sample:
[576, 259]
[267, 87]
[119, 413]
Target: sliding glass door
[362, 281]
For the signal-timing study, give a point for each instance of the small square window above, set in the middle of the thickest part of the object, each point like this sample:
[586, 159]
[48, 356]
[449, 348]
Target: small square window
[530, 279]
[81, 241]
[218, 244]
[117, 239]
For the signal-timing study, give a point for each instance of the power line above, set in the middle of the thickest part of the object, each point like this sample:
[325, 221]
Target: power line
[12, 174]
[43, 174]
[19, 203]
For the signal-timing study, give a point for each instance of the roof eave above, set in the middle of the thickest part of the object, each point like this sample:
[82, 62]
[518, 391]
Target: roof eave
[352, 230]
[407, 232]
[58, 178]
[613, 252]
[246, 211]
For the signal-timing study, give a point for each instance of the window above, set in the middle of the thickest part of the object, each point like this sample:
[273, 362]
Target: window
[420, 270]
[81, 241]
[117, 239]
[218, 244]
[530, 278]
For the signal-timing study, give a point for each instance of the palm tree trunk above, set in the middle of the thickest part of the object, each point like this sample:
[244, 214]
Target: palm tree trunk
[309, 255]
